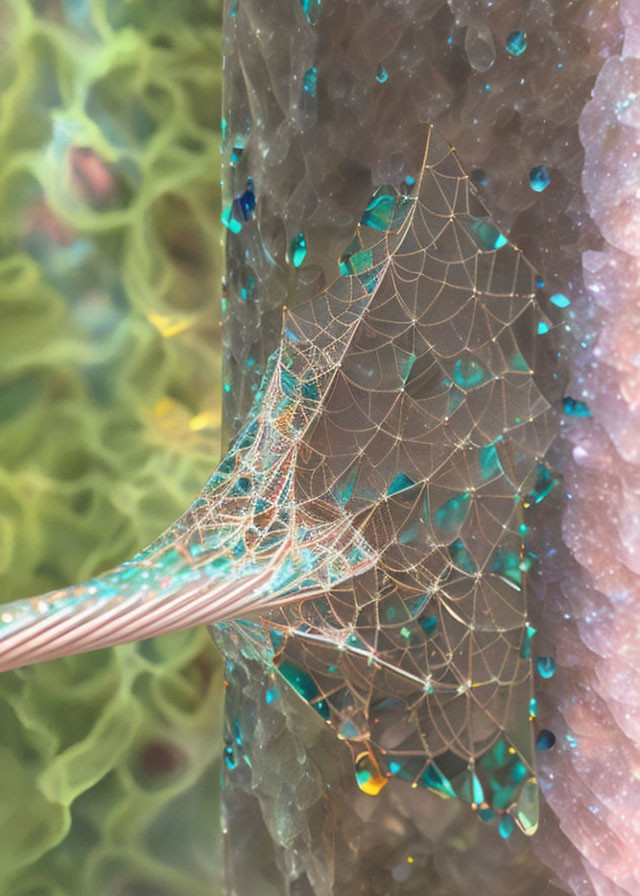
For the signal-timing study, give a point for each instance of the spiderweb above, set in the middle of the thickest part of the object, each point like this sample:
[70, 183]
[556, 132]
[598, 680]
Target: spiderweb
[367, 523]
[427, 435]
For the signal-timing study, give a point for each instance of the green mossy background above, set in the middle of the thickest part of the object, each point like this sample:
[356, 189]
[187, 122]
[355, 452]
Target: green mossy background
[110, 267]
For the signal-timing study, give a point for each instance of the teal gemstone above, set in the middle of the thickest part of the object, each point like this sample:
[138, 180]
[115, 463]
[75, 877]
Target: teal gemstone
[348, 729]
[230, 221]
[575, 408]
[560, 300]
[429, 625]
[271, 695]
[344, 488]
[310, 391]
[539, 178]
[416, 605]
[525, 650]
[433, 779]
[298, 250]
[289, 382]
[461, 557]
[544, 484]
[400, 482]
[485, 233]
[489, 462]
[277, 639]
[543, 327]
[299, 680]
[395, 768]
[546, 666]
[486, 815]
[405, 363]
[506, 826]
[385, 212]
[469, 373]
[229, 758]
[516, 43]
[359, 262]
[322, 707]
[452, 514]
[533, 707]
[506, 564]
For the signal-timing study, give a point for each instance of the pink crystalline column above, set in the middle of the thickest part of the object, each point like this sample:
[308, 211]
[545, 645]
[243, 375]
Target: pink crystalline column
[592, 781]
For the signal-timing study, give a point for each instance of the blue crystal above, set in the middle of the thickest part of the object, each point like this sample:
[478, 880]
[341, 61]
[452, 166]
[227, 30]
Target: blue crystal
[298, 250]
[559, 300]
[248, 201]
[575, 408]
[543, 327]
[271, 695]
[310, 81]
[546, 666]
[533, 708]
[229, 758]
[516, 43]
[545, 740]
[539, 178]
[382, 75]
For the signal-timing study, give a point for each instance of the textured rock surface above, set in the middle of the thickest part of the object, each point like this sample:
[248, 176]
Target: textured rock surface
[324, 102]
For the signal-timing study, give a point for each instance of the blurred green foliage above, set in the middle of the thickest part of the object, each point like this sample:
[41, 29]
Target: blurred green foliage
[109, 425]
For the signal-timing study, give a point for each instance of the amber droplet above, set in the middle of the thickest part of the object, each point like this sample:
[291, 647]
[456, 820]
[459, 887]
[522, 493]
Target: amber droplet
[368, 775]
